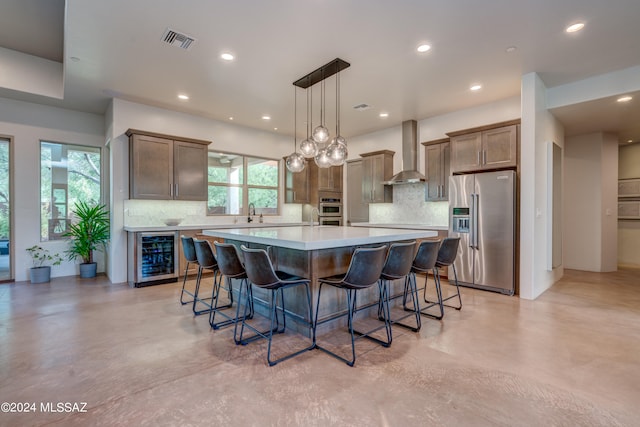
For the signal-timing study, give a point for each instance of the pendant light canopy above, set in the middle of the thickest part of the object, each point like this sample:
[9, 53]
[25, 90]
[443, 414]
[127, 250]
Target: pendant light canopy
[317, 145]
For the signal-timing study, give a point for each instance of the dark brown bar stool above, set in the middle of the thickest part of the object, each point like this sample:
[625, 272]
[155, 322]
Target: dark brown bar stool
[231, 268]
[397, 266]
[261, 273]
[364, 271]
[446, 256]
[207, 261]
[425, 261]
[189, 252]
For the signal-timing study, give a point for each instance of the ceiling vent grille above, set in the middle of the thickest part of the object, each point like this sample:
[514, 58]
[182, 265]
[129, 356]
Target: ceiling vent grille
[180, 40]
[361, 107]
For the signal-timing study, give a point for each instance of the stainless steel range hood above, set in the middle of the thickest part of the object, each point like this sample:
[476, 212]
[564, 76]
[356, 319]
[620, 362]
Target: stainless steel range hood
[409, 174]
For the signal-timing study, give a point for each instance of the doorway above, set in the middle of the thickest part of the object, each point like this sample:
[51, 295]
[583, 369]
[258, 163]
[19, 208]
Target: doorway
[5, 210]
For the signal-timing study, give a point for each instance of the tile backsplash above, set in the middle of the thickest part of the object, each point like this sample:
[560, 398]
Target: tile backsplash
[142, 213]
[409, 207]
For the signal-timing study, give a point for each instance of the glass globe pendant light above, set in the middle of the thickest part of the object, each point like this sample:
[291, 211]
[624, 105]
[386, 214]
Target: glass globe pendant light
[308, 147]
[337, 149]
[322, 159]
[321, 133]
[295, 162]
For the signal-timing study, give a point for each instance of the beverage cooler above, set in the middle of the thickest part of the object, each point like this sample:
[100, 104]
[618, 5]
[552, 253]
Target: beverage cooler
[153, 258]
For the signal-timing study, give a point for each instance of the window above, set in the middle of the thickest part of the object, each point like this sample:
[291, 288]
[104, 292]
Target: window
[236, 182]
[68, 173]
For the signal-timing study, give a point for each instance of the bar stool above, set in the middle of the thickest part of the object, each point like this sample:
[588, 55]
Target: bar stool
[207, 261]
[425, 261]
[446, 256]
[261, 273]
[364, 271]
[189, 252]
[231, 267]
[397, 266]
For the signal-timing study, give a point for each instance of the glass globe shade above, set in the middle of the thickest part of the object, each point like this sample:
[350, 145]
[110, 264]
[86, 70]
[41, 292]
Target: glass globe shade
[295, 162]
[321, 159]
[337, 151]
[320, 134]
[309, 148]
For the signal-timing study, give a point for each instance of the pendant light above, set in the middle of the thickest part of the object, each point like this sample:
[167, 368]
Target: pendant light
[321, 133]
[337, 150]
[308, 147]
[295, 162]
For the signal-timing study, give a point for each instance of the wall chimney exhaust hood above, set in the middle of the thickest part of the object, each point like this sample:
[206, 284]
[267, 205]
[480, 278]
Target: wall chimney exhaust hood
[409, 174]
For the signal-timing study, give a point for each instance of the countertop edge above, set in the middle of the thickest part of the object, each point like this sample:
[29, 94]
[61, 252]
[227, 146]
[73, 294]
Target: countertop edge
[401, 226]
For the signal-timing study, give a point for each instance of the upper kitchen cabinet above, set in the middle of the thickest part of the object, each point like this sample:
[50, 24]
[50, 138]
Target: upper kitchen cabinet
[330, 179]
[488, 147]
[296, 186]
[377, 168]
[437, 170]
[163, 167]
[357, 209]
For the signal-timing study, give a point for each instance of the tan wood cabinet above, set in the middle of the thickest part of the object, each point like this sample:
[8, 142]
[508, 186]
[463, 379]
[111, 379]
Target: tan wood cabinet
[377, 167]
[489, 148]
[164, 167]
[437, 169]
[330, 179]
[357, 209]
[296, 186]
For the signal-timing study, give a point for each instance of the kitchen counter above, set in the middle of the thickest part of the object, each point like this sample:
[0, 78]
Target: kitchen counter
[318, 237]
[401, 226]
[135, 229]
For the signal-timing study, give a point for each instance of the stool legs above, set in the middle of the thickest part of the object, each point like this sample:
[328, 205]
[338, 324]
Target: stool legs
[455, 276]
[203, 301]
[439, 302]
[184, 282]
[218, 309]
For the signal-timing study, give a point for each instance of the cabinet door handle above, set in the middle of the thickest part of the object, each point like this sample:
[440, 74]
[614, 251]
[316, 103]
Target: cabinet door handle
[484, 157]
[479, 157]
[171, 190]
[294, 195]
[176, 190]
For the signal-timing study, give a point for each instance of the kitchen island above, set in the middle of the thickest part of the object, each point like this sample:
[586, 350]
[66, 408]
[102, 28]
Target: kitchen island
[315, 252]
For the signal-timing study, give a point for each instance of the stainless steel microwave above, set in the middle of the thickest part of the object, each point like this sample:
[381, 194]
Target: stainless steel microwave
[330, 209]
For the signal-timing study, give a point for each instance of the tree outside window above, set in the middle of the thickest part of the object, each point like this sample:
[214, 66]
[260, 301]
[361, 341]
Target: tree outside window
[68, 173]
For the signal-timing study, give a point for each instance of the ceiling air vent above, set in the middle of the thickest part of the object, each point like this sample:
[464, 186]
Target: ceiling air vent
[175, 38]
[361, 107]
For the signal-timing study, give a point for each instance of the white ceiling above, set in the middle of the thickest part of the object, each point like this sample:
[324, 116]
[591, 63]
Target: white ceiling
[120, 53]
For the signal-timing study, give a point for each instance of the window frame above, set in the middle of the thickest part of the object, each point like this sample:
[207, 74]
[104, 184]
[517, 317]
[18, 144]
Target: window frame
[101, 185]
[245, 187]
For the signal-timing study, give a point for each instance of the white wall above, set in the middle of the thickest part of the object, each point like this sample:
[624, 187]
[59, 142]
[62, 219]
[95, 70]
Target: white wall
[590, 202]
[31, 74]
[224, 137]
[538, 127]
[28, 124]
[629, 230]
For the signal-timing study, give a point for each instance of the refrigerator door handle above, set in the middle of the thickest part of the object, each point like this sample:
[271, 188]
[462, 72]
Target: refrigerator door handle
[476, 201]
[472, 219]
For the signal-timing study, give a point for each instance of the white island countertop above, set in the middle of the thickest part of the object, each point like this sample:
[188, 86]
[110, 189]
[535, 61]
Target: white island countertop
[318, 237]
[403, 226]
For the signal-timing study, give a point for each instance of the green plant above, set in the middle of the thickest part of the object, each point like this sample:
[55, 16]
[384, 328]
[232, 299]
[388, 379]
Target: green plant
[41, 257]
[89, 233]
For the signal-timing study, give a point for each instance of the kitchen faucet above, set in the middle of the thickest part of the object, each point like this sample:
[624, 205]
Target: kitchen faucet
[252, 212]
[311, 216]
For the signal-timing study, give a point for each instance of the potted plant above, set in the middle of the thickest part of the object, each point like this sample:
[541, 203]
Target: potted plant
[89, 233]
[42, 260]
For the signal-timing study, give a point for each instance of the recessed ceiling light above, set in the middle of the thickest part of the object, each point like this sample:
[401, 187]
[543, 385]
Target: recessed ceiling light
[230, 118]
[625, 98]
[183, 97]
[266, 117]
[227, 56]
[574, 27]
[511, 49]
[475, 87]
[424, 48]
[275, 128]
[384, 115]
[630, 141]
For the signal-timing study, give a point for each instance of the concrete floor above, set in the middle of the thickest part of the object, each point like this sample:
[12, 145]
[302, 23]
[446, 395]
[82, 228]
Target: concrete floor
[137, 357]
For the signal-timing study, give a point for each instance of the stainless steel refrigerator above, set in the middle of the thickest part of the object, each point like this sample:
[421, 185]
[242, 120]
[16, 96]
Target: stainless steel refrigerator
[482, 214]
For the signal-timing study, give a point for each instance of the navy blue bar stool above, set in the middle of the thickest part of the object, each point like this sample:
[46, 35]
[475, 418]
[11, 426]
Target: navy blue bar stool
[365, 269]
[261, 273]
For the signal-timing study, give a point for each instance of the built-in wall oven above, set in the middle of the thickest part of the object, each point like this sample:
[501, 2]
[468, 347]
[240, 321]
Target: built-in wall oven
[330, 209]
[153, 258]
